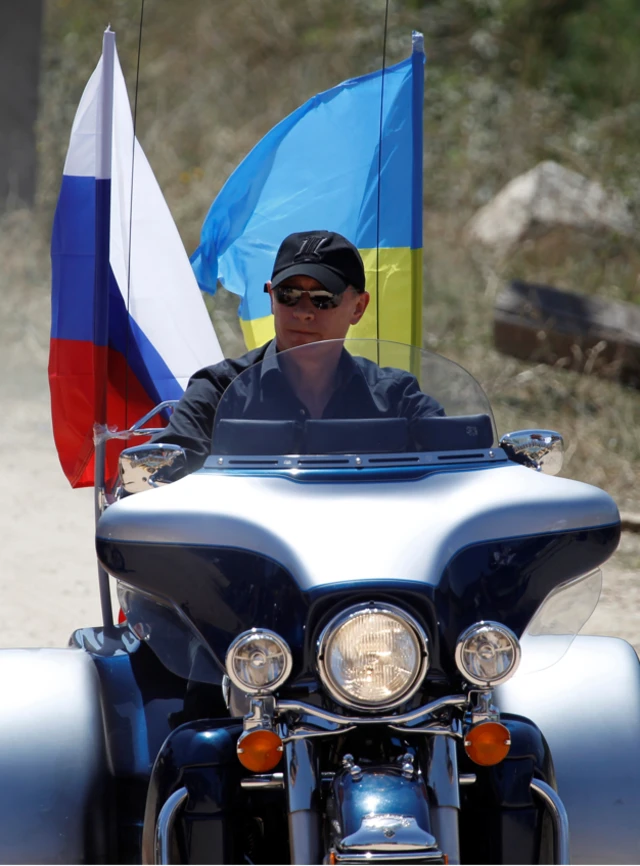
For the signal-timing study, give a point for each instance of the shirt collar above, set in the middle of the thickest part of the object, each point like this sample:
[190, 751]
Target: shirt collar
[347, 367]
[269, 361]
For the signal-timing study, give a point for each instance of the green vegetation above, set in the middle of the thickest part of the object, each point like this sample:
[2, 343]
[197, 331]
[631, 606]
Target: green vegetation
[509, 83]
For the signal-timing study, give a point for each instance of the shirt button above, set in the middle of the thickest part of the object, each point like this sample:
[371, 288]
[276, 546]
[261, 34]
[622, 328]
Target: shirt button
[302, 412]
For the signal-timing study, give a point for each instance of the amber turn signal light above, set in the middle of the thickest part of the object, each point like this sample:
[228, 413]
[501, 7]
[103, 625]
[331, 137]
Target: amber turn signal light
[259, 750]
[487, 743]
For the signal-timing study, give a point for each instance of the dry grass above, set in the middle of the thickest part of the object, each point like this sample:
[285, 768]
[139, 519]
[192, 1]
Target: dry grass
[599, 419]
[24, 302]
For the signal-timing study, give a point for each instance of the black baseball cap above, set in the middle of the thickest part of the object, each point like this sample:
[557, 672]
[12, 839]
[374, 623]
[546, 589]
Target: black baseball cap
[325, 256]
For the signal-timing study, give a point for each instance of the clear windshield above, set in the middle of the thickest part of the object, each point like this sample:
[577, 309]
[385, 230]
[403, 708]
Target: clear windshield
[560, 617]
[170, 634]
[352, 397]
[182, 650]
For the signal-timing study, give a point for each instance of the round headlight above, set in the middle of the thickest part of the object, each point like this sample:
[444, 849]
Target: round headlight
[372, 656]
[258, 660]
[487, 653]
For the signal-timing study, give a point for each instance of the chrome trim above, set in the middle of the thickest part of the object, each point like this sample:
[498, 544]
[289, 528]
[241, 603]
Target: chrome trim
[302, 790]
[389, 833]
[418, 715]
[406, 763]
[440, 768]
[166, 404]
[434, 730]
[441, 772]
[262, 710]
[467, 779]
[386, 856]
[99, 505]
[470, 632]
[147, 466]
[304, 733]
[296, 462]
[481, 707]
[244, 638]
[541, 450]
[226, 691]
[165, 824]
[137, 429]
[301, 776]
[101, 435]
[349, 764]
[266, 782]
[260, 717]
[344, 616]
[560, 820]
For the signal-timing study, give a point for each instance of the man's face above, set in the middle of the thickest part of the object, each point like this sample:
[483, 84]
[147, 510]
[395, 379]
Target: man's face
[303, 323]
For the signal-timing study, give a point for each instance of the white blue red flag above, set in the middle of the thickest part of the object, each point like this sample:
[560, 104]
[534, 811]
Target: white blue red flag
[128, 326]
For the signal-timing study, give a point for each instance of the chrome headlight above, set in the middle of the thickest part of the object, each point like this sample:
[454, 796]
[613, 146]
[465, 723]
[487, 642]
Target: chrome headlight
[258, 660]
[487, 653]
[372, 656]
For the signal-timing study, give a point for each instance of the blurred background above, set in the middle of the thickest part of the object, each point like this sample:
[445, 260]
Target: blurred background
[509, 84]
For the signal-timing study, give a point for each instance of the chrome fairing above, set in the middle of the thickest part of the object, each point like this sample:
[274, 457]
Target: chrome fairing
[588, 709]
[220, 551]
[426, 521]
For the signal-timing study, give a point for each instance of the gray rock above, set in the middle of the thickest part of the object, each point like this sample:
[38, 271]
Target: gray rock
[547, 197]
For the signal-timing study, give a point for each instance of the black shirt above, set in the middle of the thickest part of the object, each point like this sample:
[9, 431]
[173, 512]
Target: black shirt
[364, 390]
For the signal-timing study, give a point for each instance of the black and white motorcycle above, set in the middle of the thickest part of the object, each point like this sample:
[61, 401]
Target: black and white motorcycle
[346, 641]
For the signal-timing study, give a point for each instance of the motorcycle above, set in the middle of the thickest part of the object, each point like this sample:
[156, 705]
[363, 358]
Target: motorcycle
[349, 639]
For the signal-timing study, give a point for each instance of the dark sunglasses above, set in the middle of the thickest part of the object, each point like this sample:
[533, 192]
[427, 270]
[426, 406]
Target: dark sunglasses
[321, 299]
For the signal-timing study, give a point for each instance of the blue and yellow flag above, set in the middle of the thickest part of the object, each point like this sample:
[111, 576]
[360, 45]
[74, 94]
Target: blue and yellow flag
[349, 160]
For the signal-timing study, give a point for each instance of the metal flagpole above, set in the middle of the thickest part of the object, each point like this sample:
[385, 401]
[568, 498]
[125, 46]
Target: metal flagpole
[384, 65]
[378, 191]
[417, 102]
[101, 293]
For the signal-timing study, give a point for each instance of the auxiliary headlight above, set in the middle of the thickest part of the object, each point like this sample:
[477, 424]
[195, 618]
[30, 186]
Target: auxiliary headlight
[372, 656]
[487, 653]
[258, 660]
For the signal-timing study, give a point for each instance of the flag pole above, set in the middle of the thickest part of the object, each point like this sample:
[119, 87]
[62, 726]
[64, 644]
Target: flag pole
[417, 242]
[380, 137]
[101, 294]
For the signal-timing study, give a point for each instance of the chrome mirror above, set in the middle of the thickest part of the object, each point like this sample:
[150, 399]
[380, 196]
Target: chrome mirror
[542, 450]
[144, 467]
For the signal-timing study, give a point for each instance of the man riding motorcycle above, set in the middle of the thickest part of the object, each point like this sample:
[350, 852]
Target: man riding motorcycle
[317, 293]
[361, 682]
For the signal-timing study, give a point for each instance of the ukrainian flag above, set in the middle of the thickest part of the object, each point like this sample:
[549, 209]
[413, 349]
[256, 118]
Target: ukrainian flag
[349, 160]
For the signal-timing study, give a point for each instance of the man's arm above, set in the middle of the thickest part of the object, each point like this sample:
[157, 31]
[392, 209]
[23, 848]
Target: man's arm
[191, 424]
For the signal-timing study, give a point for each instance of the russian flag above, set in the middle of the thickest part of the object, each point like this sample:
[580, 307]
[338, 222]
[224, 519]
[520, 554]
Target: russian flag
[128, 325]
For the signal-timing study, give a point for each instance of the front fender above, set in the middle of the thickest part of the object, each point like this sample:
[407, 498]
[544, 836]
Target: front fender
[377, 810]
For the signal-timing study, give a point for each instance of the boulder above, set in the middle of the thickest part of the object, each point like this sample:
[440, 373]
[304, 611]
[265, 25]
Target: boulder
[545, 198]
[586, 333]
